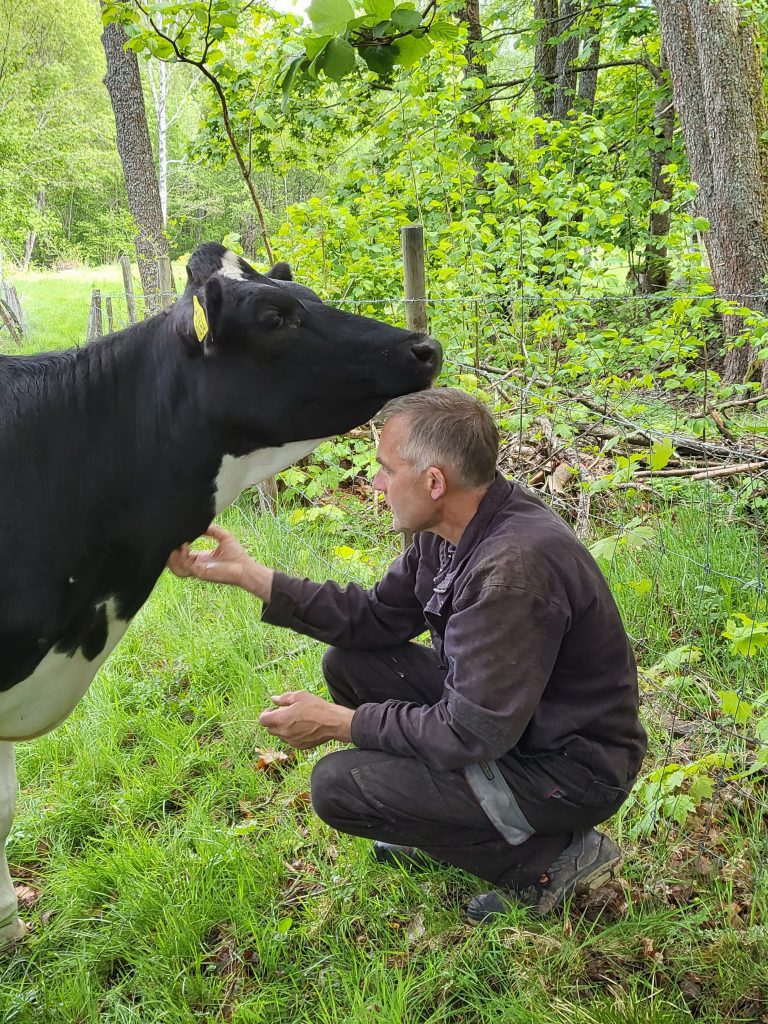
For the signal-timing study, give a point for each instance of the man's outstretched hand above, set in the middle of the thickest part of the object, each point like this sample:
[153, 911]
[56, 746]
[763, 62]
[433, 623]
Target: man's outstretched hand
[226, 563]
[304, 720]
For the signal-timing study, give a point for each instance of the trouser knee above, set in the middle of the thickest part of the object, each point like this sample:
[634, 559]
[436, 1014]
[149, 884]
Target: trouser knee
[331, 787]
[337, 669]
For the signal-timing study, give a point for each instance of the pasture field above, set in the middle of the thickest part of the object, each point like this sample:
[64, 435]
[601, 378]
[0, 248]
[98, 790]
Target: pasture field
[174, 871]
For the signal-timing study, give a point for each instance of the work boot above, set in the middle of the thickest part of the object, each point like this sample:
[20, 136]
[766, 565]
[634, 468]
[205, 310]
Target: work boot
[401, 856]
[588, 862]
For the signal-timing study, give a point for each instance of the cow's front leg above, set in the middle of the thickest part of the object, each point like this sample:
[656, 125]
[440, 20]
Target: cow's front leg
[10, 926]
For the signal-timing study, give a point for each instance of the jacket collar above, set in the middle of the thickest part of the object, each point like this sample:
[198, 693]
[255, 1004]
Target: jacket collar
[476, 528]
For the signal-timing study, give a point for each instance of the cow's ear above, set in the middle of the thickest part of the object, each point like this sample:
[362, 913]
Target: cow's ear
[196, 321]
[280, 272]
[214, 300]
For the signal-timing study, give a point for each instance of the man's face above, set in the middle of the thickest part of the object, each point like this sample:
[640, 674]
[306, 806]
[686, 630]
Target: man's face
[407, 492]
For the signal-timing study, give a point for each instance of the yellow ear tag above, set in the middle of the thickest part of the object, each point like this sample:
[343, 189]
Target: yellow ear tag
[199, 319]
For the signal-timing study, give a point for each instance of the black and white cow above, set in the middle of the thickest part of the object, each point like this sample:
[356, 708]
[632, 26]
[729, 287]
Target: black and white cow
[113, 454]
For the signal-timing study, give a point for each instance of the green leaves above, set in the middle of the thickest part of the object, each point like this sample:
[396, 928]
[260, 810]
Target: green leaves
[745, 634]
[734, 706]
[380, 59]
[405, 19]
[410, 49]
[339, 59]
[661, 453]
[635, 535]
[385, 37]
[330, 16]
[380, 9]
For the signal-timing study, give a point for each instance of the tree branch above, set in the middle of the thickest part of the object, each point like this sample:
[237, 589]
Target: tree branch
[585, 67]
[200, 65]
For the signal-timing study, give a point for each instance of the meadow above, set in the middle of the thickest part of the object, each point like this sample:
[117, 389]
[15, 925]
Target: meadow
[169, 859]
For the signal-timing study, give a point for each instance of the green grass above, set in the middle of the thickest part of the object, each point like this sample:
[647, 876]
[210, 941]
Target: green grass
[56, 305]
[173, 881]
[178, 883]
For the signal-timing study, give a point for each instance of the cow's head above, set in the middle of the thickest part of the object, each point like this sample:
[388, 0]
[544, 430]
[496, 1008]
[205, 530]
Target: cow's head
[279, 365]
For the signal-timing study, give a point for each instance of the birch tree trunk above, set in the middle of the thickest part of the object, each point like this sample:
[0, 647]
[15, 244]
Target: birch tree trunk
[160, 98]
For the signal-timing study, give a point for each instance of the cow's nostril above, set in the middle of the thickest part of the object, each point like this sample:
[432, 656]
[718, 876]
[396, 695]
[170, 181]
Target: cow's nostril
[426, 350]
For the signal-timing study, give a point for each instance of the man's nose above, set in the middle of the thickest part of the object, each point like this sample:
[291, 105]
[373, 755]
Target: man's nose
[378, 482]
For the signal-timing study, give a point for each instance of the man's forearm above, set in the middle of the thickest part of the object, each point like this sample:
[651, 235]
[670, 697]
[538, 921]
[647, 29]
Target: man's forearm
[258, 581]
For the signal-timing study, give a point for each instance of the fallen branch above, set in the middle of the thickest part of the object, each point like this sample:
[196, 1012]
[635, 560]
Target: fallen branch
[696, 473]
[734, 404]
[683, 445]
[745, 467]
[717, 419]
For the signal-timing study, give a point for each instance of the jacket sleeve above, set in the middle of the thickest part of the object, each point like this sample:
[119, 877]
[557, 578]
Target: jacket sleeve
[350, 616]
[501, 645]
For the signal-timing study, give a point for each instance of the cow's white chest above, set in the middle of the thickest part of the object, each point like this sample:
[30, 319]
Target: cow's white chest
[44, 699]
[237, 473]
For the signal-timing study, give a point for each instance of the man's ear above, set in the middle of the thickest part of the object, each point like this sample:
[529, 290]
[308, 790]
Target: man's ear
[436, 482]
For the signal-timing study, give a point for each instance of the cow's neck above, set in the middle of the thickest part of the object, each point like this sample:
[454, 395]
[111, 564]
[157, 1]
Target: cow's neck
[239, 472]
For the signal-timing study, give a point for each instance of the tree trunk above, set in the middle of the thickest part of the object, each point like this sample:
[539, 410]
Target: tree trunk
[716, 73]
[590, 54]
[567, 52]
[654, 274]
[477, 67]
[29, 244]
[160, 98]
[248, 233]
[545, 58]
[162, 140]
[476, 64]
[133, 143]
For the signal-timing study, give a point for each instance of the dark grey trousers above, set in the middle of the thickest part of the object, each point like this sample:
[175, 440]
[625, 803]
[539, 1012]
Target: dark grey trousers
[400, 799]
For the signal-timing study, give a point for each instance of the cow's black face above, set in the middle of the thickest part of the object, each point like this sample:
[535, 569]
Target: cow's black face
[281, 366]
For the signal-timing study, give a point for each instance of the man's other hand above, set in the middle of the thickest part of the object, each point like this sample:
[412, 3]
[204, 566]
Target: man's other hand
[226, 563]
[305, 721]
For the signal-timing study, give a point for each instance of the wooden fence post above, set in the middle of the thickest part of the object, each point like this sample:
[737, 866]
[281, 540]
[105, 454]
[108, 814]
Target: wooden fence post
[110, 317]
[165, 278]
[415, 292]
[267, 494]
[7, 321]
[130, 302]
[95, 322]
[414, 278]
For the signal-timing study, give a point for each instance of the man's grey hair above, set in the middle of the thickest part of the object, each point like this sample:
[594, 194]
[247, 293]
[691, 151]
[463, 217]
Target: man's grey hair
[451, 429]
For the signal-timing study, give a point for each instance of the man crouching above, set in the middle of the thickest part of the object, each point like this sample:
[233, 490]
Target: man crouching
[499, 747]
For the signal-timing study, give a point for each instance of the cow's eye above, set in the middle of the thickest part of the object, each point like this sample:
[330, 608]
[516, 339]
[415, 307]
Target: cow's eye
[271, 319]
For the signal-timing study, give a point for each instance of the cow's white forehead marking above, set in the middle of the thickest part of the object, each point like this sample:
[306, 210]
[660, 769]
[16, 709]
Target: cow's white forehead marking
[230, 267]
[237, 473]
[46, 698]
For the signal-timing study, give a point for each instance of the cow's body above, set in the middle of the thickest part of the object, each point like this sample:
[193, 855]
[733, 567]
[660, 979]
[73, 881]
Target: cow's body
[112, 455]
